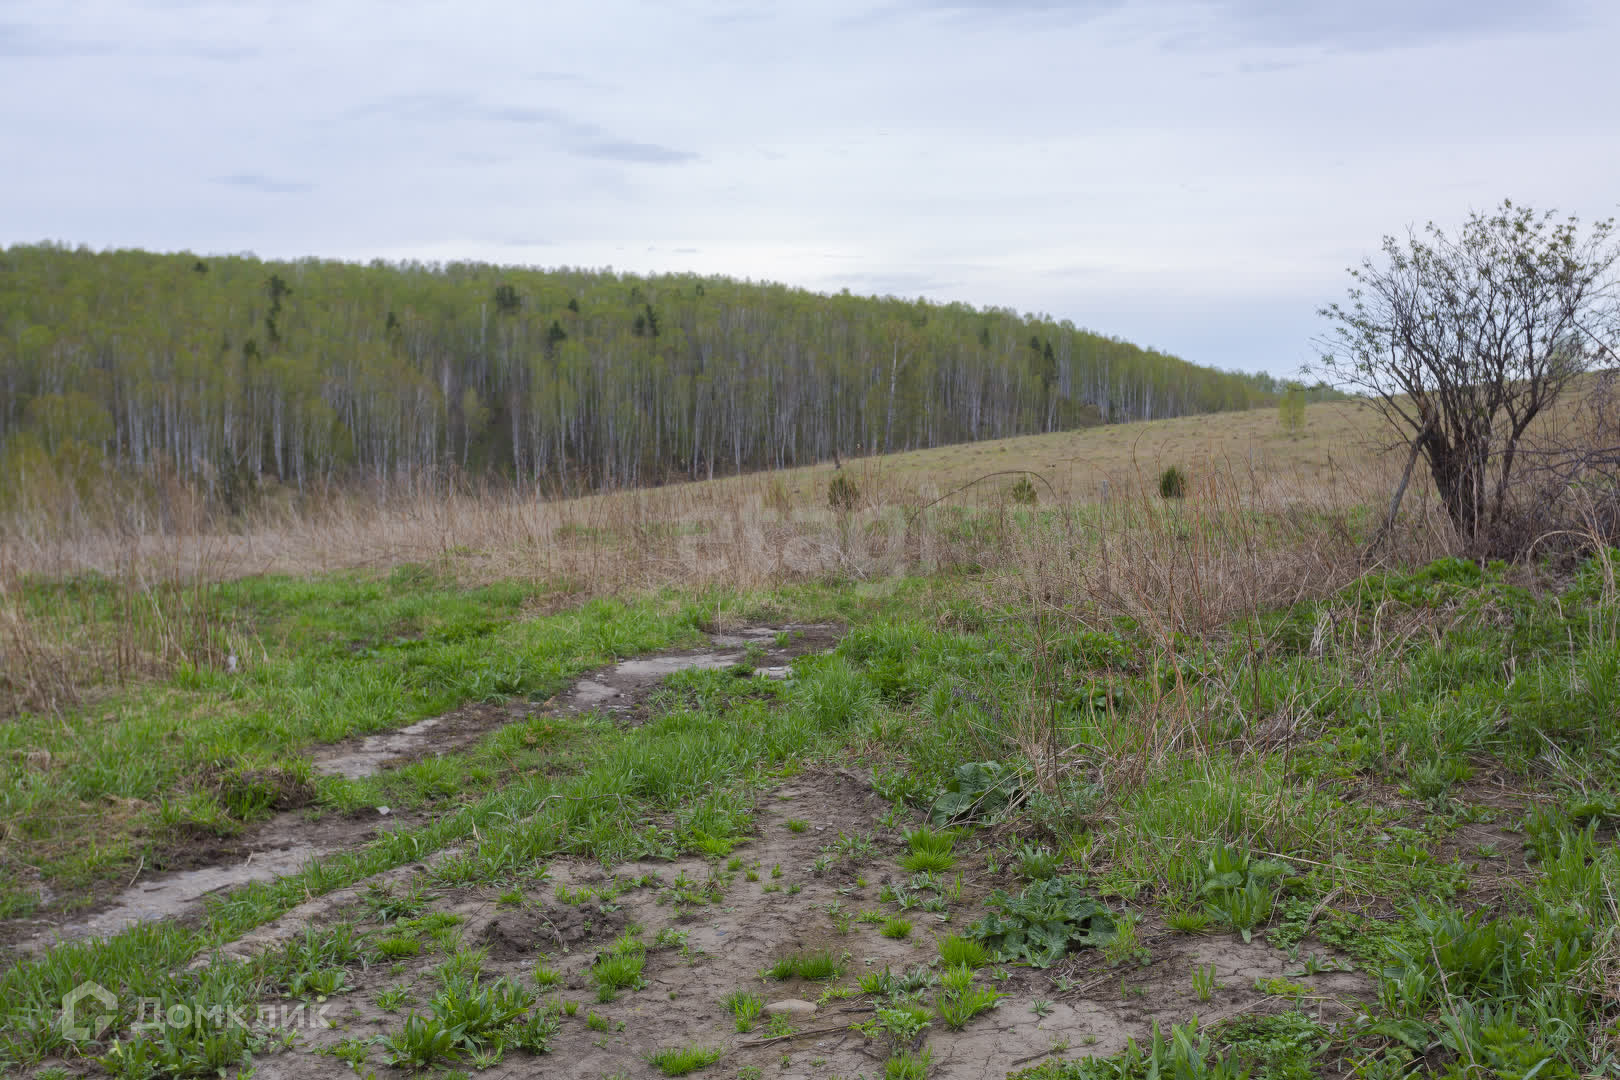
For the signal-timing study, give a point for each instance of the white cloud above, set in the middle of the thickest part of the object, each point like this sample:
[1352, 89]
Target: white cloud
[1191, 175]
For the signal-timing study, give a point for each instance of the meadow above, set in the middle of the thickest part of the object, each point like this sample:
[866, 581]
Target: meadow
[961, 772]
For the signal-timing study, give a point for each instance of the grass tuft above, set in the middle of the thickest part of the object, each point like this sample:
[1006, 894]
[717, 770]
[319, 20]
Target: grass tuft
[680, 1060]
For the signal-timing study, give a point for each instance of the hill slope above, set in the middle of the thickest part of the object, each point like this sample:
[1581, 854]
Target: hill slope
[228, 369]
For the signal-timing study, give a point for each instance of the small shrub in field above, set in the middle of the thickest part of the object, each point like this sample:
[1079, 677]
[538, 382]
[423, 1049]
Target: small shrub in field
[1023, 492]
[1172, 483]
[842, 493]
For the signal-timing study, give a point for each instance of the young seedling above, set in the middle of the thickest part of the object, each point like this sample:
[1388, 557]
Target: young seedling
[1203, 981]
[745, 1008]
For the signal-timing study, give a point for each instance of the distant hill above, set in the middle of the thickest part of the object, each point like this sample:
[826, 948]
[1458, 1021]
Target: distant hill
[227, 370]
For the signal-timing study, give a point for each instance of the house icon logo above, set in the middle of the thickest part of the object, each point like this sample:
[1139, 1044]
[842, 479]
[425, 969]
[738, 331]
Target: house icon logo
[82, 1020]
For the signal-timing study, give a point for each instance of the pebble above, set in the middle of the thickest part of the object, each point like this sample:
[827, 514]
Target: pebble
[792, 1008]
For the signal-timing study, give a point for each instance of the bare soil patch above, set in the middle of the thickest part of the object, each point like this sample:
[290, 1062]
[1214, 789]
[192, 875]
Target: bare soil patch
[726, 942]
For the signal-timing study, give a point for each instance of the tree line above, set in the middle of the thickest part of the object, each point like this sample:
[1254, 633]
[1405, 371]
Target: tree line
[229, 370]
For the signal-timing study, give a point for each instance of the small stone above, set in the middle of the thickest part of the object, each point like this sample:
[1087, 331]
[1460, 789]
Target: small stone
[384, 811]
[792, 1008]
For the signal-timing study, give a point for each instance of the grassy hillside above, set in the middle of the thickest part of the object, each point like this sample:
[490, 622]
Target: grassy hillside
[1337, 438]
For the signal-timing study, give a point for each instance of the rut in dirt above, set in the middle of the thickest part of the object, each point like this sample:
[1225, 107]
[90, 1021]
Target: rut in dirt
[287, 843]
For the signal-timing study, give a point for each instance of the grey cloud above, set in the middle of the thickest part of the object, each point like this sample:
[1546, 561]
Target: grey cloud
[577, 137]
[1265, 67]
[1381, 24]
[1026, 7]
[268, 184]
[21, 41]
[588, 140]
[1332, 24]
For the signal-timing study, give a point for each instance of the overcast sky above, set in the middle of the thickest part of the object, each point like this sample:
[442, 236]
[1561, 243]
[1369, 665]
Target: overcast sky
[1194, 176]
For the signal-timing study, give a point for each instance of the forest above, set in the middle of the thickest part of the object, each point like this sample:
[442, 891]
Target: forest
[231, 372]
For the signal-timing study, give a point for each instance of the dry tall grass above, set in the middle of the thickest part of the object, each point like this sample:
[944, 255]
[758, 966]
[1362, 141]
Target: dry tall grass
[1241, 539]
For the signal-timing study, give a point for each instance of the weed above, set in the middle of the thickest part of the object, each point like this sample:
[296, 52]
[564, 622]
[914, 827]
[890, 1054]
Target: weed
[423, 1042]
[896, 928]
[391, 999]
[618, 971]
[1203, 981]
[1037, 862]
[908, 1065]
[956, 980]
[395, 948]
[1043, 922]
[956, 950]
[930, 850]
[462, 965]
[382, 904]
[678, 1061]
[797, 825]
[957, 1008]
[900, 1025]
[745, 1008]
[1187, 922]
[817, 965]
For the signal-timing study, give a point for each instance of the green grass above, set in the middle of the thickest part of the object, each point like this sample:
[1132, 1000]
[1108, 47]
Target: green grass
[335, 657]
[745, 1008]
[956, 1009]
[678, 1061]
[618, 972]
[930, 851]
[908, 1065]
[395, 948]
[1366, 807]
[956, 950]
[817, 965]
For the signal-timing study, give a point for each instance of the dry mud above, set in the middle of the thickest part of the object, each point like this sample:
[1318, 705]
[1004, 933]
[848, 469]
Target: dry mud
[729, 941]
